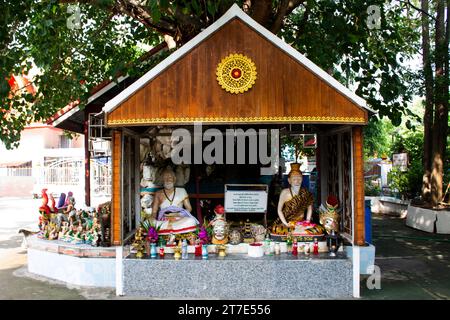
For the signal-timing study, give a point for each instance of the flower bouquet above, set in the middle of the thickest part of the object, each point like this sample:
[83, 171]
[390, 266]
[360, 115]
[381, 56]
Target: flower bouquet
[151, 231]
[204, 232]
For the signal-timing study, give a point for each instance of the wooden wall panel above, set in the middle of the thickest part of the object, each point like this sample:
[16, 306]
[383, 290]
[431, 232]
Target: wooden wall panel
[358, 184]
[116, 220]
[188, 89]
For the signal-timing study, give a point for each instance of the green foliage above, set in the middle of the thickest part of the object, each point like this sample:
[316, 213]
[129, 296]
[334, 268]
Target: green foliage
[398, 181]
[147, 224]
[378, 137]
[415, 177]
[71, 61]
[292, 148]
[333, 34]
[412, 143]
[371, 190]
[337, 38]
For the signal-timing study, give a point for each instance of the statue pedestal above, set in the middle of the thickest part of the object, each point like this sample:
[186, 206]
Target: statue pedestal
[238, 276]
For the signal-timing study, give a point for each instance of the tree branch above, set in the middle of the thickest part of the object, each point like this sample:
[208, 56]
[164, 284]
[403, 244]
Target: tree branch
[408, 2]
[134, 9]
[302, 23]
[284, 9]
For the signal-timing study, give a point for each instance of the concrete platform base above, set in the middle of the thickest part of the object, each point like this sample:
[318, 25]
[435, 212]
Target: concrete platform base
[367, 258]
[73, 264]
[389, 206]
[240, 277]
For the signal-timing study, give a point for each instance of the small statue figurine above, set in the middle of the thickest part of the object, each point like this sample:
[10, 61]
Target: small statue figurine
[247, 232]
[63, 232]
[70, 209]
[220, 232]
[219, 212]
[44, 210]
[258, 232]
[78, 237]
[329, 216]
[138, 243]
[235, 236]
[220, 226]
[53, 233]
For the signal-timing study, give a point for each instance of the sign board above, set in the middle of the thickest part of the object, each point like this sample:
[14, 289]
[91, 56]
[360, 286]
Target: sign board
[309, 141]
[400, 160]
[246, 198]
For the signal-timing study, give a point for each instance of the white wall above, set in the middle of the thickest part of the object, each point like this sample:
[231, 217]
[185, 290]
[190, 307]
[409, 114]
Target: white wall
[37, 142]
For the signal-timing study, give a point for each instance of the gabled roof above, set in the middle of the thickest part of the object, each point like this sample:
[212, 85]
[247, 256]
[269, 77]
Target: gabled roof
[73, 107]
[233, 13]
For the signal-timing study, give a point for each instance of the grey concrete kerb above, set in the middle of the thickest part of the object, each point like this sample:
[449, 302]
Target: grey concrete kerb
[428, 220]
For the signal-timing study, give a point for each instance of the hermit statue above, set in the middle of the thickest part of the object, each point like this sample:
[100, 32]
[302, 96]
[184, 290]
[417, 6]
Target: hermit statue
[171, 208]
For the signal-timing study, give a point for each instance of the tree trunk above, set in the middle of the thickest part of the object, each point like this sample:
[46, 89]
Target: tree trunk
[440, 126]
[428, 115]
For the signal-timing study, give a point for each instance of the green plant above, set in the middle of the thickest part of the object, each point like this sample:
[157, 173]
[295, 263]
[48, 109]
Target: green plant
[415, 177]
[398, 181]
[371, 190]
[292, 146]
[147, 224]
[412, 143]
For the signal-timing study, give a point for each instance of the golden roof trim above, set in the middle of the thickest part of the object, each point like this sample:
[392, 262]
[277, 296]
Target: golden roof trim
[143, 121]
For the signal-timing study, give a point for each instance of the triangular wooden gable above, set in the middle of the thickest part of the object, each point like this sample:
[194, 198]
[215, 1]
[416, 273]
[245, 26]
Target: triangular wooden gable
[185, 90]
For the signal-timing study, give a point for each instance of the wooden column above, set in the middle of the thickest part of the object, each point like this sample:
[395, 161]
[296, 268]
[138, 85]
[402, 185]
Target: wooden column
[358, 186]
[116, 216]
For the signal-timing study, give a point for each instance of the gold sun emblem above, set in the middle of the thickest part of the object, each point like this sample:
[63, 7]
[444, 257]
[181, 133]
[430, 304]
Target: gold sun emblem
[236, 73]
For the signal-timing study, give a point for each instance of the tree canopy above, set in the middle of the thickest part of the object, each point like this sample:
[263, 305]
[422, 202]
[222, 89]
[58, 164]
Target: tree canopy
[364, 44]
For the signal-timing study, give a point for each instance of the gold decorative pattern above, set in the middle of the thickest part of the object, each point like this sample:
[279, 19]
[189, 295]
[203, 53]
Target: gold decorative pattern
[145, 121]
[236, 73]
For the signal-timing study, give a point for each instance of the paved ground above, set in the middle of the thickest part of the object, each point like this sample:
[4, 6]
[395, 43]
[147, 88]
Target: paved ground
[413, 264]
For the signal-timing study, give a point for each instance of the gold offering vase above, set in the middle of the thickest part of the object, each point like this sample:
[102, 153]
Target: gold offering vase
[177, 253]
[222, 251]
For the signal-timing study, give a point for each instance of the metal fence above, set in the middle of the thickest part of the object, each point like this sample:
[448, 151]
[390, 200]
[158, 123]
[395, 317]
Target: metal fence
[16, 171]
[66, 174]
[101, 178]
[62, 172]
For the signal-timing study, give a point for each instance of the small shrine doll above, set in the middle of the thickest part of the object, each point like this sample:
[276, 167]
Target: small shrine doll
[64, 229]
[329, 216]
[53, 234]
[220, 226]
[220, 232]
[219, 212]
